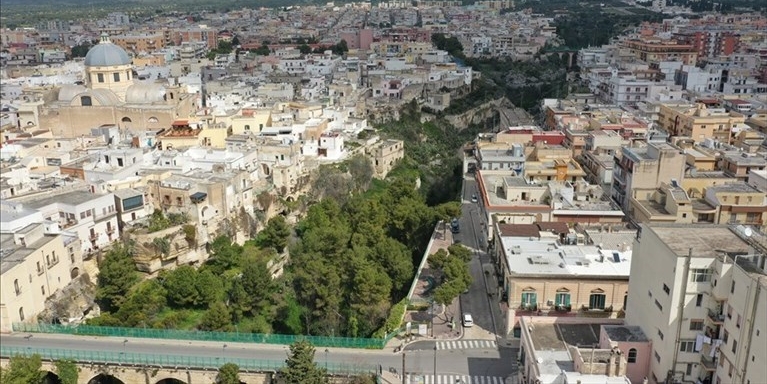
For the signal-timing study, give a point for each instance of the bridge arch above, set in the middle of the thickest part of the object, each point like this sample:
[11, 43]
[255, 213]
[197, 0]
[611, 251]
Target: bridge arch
[105, 378]
[170, 380]
[50, 378]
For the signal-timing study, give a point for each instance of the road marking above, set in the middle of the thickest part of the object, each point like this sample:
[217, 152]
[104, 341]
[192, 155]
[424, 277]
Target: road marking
[452, 379]
[467, 344]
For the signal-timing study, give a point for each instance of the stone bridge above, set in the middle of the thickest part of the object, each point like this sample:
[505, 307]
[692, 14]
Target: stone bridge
[98, 373]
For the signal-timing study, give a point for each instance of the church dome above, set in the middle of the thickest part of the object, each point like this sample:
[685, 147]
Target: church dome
[106, 54]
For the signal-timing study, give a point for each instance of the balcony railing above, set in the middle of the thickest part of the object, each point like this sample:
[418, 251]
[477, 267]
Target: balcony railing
[716, 318]
[708, 363]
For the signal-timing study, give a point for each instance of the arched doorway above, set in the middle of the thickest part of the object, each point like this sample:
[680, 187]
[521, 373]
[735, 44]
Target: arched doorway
[51, 378]
[74, 273]
[105, 379]
[170, 381]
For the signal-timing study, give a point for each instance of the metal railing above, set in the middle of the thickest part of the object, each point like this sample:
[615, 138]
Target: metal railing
[172, 361]
[176, 334]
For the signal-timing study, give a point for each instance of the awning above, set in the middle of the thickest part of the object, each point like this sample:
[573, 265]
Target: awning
[198, 197]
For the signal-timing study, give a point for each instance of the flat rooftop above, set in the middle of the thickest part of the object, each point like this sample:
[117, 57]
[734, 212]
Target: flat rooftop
[735, 187]
[704, 240]
[69, 198]
[530, 256]
[627, 333]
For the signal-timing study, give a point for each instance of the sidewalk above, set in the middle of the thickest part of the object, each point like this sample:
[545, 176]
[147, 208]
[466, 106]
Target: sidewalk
[442, 238]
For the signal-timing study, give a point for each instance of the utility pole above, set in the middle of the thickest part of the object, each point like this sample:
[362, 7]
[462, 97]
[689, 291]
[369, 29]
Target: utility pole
[403, 368]
[435, 361]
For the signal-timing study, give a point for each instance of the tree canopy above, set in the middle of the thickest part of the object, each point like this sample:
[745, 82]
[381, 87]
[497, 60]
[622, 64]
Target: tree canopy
[229, 373]
[117, 274]
[67, 371]
[23, 370]
[300, 367]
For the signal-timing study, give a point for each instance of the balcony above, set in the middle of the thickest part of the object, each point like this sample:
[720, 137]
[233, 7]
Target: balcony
[110, 230]
[716, 318]
[93, 236]
[708, 363]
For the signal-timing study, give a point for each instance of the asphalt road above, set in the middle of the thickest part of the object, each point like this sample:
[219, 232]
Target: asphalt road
[468, 362]
[478, 301]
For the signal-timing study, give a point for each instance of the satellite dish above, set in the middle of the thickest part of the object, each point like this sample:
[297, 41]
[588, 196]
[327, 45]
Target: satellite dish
[748, 232]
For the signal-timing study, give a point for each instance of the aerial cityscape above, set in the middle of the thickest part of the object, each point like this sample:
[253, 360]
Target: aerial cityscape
[389, 192]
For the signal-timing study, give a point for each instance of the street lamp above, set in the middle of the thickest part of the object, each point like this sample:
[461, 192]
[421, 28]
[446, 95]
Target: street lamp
[326, 360]
[223, 351]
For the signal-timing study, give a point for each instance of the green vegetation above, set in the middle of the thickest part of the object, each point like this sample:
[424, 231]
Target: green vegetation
[300, 367]
[229, 373]
[449, 44]
[23, 370]
[158, 221]
[453, 266]
[117, 274]
[67, 371]
[223, 48]
[524, 83]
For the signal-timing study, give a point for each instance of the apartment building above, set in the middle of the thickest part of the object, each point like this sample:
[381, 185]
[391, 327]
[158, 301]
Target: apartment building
[145, 42]
[34, 264]
[92, 217]
[644, 168]
[581, 350]
[738, 203]
[199, 34]
[739, 164]
[654, 51]
[697, 292]
[545, 271]
[699, 122]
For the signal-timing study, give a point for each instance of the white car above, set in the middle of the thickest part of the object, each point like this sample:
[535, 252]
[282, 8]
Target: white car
[468, 321]
[473, 198]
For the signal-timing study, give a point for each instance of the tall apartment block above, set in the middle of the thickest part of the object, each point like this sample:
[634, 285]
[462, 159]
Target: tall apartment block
[700, 294]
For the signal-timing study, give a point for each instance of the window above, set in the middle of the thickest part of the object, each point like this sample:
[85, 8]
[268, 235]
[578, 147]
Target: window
[21, 314]
[16, 286]
[100, 77]
[688, 372]
[632, 356]
[529, 299]
[660, 334]
[687, 346]
[696, 325]
[42, 288]
[729, 311]
[734, 345]
[116, 77]
[133, 202]
[700, 275]
[657, 304]
[726, 337]
[562, 298]
[597, 300]
[732, 287]
[86, 101]
[247, 127]
[48, 260]
[699, 300]
[737, 322]
[729, 371]
[657, 356]
[666, 289]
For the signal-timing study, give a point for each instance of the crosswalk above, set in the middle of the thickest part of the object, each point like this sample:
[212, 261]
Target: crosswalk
[453, 379]
[467, 344]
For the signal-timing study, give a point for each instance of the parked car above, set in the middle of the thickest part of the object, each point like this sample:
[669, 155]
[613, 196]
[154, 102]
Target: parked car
[474, 198]
[468, 321]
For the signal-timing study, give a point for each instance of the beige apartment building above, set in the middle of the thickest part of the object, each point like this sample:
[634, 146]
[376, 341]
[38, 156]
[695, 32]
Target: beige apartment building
[145, 42]
[654, 51]
[700, 123]
[545, 271]
[698, 292]
[645, 168]
[34, 265]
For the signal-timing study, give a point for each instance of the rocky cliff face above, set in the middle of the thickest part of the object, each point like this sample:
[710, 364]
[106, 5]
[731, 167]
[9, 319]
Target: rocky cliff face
[70, 304]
